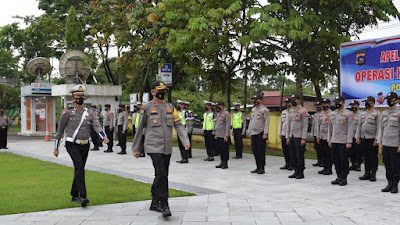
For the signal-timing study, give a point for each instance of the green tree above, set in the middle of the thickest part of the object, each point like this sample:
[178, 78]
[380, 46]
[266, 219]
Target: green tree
[9, 97]
[74, 37]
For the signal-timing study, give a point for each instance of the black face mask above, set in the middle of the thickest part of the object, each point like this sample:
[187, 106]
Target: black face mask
[338, 106]
[368, 105]
[79, 101]
[294, 103]
[391, 102]
[237, 110]
[256, 103]
[119, 110]
[318, 108]
[218, 109]
[160, 95]
[354, 109]
[325, 107]
[184, 107]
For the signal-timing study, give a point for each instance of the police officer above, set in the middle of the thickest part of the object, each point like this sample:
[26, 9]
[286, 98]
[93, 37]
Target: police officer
[157, 118]
[314, 130]
[77, 121]
[215, 149]
[390, 140]
[340, 139]
[189, 116]
[322, 137]
[4, 124]
[122, 125]
[239, 129]
[282, 135]
[93, 134]
[181, 113]
[208, 126]
[134, 117]
[109, 126]
[222, 128]
[296, 136]
[355, 152]
[139, 106]
[367, 137]
[258, 132]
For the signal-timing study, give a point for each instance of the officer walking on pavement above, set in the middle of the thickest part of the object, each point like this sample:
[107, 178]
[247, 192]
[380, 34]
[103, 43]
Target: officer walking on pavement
[282, 135]
[93, 134]
[389, 130]
[340, 139]
[258, 132]
[296, 136]
[314, 131]
[4, 125]
[208, 126]
[122, 127]
[182, 113]
[189, 116]
[239, 129]
[355, 152]
[222, 130]
[367, 137]
[77, 121]
[158, 118]
[109, 126]
[322, 137]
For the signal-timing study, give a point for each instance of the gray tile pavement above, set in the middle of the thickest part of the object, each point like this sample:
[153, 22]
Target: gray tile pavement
[232, 196]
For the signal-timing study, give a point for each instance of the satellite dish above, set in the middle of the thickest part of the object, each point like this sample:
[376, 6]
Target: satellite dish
[72, 68]
[37, 67]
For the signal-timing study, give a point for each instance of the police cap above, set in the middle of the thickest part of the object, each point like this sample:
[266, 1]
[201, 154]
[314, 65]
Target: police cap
[158, 86]
[339, 98]
[354, 102]
[391, 95]
[257, 97]
[369, 99]
[295, 96]
[317, 103]
[78, 90]
[220, 103]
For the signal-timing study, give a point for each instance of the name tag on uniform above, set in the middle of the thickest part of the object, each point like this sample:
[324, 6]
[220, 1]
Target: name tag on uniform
[154, 121]
[258, 116]
[220, 121]
[327, 120]
[297, 116]
[341, 122]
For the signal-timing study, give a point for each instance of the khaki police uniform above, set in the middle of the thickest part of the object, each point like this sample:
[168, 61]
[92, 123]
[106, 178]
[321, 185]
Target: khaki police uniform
[222, 129]
[4, 124]
[239, 127]
[367, 131]
[340, 133]
[296, 131]
[122, 123]
[93, 135]
[158, 121]
[184, 153]
[355, 153]
[314, 131]
[109, 124]
[322, 135]
[282, 133]
[258, 126]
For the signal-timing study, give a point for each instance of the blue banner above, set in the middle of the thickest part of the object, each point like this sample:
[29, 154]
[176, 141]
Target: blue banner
[370, 68]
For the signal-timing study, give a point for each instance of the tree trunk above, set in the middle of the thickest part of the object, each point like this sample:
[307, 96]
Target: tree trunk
[317, 88]
[282, 90]
[245, 93]
[228, 91]
[299, 81]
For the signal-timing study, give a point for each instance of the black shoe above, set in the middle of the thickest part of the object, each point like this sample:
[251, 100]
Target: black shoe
[365, 176]
[285, 167]
[206, 159]
[343, 182]
[190, 157]
[321, 165]
[94, 149]
[183, 161]
[118, 144]
[352, 167]
[395, 188]
[388, 187]
[219, 165]
[225, 166]
[237, 157]
[294, 175]
[5, 148]
[290, 168]
[122, 153]
[254, 171]
[76, 199]
[300, 175]
[154, 206]
[322, 171]
[165, 211]
[261, 171]
[1, 147]
[372, 176]
[210, 159]
[337, 181]
[108, 150]
[328, 172]
[84, 202]
[316, 164]
[142, 155]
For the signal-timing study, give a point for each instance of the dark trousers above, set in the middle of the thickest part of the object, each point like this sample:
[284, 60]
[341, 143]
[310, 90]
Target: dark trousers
[190, 149]
[355, 154]
[159, 189]
[95, 137]
[326, 154]
[209, 142]
[121, 138]
[370, 155]
[133, 131]
[391, 159]
[223, 149]
[297, 153]
[3, 137]
[110, 137]
[237, 136]
[317, 148]
[184, 153]
[340, 156]
[286, 152]
[79, 154]
[259, 146]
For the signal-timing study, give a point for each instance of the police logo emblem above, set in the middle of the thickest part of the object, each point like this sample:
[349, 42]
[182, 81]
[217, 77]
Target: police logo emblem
[360, 57]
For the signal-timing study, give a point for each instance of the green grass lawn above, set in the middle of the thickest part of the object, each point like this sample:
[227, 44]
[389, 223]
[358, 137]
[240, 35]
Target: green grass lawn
[29, 185]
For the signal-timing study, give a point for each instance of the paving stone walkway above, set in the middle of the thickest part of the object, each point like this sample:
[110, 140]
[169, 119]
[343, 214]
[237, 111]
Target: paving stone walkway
[232, 196]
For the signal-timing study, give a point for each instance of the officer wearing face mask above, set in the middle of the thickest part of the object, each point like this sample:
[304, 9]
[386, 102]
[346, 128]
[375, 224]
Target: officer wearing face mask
[122, 124]
[239, 129]
[222, 128]
[208, 126]
[367, 137]
[4, 124]
[355, 152]
[340, 139]
[314, 128]
[388, 136]
[282, 135]
[189, 116]
[296, 136]
[77, 121]
[158, 118]
[181, 113]
[258, 132]
[322, 137]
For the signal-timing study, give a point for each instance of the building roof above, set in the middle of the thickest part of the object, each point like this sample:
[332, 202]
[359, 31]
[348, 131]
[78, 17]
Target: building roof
[270, 93]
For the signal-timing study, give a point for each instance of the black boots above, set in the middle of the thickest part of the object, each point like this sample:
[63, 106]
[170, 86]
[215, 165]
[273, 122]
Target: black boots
[294, 175]
[285, 167]
[254, 171]
[123, 152]
[352, 167]
[365, 176]
[164, 209]
[372, 176]
[261, 170]
[395, 187]
[84, 202]
[183, 161]
[300, 174]
[343, 181]
[388, 187]
[222, 165]
[337, 181]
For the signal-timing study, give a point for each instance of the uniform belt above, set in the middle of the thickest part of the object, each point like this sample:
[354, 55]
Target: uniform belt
[79, 142]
